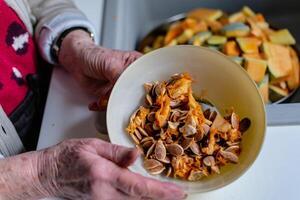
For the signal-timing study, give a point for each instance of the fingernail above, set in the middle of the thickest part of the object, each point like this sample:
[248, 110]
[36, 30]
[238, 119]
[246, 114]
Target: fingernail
[138, 151]
[177, 192]
[180, 195]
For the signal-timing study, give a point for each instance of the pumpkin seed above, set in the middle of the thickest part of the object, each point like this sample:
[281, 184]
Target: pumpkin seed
[142, 131]
[244, 125]
[160, 150]
[174, 149]
[195, 175]
[148, 87]
[195, 148]
[150, 150]
[229, 156]
[186, 143]
[235, 121]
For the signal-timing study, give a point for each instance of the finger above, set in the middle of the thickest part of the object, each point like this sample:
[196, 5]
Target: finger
[94, 106]
[135, 55]
[108, 192]
[100, 104]
[118, 66]
[125, 196]
[130, 56]
[94, 86]
[122, 156]
[103, 100]
[139, 186]
[103, 90]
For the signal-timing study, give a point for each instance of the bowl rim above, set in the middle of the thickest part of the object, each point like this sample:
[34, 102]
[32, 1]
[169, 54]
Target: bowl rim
[262, 105]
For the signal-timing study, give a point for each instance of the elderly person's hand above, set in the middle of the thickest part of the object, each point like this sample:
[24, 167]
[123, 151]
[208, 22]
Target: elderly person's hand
[96, 68]
[80, 169]
[94, 169]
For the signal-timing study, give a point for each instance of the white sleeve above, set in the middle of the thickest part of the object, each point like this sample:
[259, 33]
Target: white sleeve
[53, 18]
[10, 142]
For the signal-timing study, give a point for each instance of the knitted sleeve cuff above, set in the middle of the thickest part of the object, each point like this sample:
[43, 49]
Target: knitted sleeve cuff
[48, 30]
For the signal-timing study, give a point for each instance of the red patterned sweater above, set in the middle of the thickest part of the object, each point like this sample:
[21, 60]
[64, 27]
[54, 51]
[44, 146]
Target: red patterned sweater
[18, 58]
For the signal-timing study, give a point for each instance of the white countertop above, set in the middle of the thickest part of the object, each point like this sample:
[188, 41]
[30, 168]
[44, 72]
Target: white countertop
[275, 174]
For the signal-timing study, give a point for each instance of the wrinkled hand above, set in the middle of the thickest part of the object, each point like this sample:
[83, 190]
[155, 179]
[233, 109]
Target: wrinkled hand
[101, 67]
[95, 68]
[92, 169]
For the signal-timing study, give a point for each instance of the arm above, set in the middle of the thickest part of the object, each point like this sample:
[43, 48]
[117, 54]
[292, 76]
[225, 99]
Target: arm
[18, 178]
[94, 67]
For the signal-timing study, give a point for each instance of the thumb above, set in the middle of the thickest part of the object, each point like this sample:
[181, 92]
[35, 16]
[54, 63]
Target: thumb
[99, 105]
[103, 90]
[121, 156]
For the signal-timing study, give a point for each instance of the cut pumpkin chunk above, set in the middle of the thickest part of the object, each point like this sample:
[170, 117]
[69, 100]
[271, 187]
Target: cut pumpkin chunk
[163, 113]
[147, 49]
[259, 18]
[283, 37]
[194, 25]
[200, 27]
[256, 29]
[237, 59]
[252, 55]
[263, 88]
[237, 17]
[185, 36]
[276, 81]
[248, 11]
[200, 38]
[172, 43]
[214, 47]
[293, 79]
[231, 49]
[256, 69]
[217, 40]
[279, 59]
[215, 26]
[236, 30]
[158, 42]
[265, 27]
[205, 14]
[276, 93]
[249, 44]
[174, 31]
[283, 85]
[195, 41]
[188, 23]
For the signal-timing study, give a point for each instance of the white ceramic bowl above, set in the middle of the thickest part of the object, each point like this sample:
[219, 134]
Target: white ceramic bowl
[227, 85]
